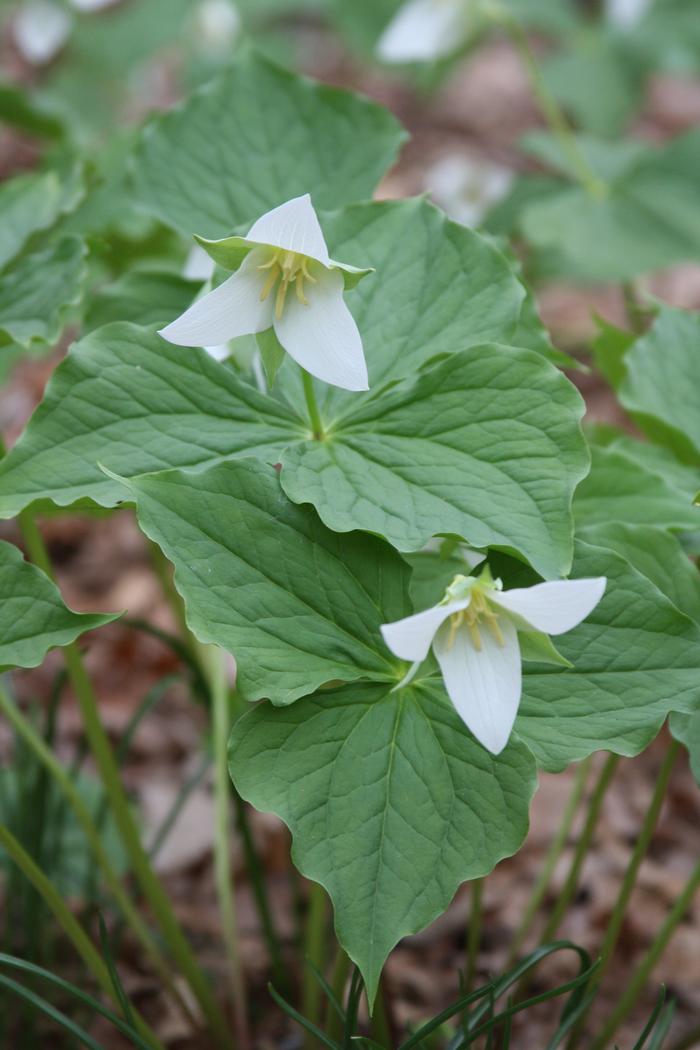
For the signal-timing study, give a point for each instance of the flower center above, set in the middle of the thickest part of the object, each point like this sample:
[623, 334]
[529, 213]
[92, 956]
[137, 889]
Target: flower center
[286, 268]
[477, 610]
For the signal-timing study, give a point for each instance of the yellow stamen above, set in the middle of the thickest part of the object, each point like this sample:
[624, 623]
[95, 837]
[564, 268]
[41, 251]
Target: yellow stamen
[287, 268]
[455, 622]
[477, 610]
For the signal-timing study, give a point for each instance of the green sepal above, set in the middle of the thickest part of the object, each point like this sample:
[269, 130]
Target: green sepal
[539, 648]
[272, 354]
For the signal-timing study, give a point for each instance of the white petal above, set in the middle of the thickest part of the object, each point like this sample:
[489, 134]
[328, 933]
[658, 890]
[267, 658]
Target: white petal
[323, 337]
[484, 685]
[424, 30]
[219, 352]
[293, 226]
[411, 638]
[232, 309]
[553, 607]
[198, 265]
[40, 30]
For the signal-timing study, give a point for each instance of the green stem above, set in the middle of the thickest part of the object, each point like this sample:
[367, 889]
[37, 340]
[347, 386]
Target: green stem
[123, 818]
[628, 883]
[550, 107]
[381, 1022]
[474, 935]
[70, 926]
[314, 952]
[314, 414]
[339, 979]
[556, 849]
[256, 875]
[641, 974]
[571, 885]
[26, 731]
[212, 659]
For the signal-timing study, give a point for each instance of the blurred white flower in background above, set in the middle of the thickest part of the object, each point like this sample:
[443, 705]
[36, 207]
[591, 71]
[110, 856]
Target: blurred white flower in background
[466, 188]
[626, 13]
[425, 30]
[217, 25]
[40, 29]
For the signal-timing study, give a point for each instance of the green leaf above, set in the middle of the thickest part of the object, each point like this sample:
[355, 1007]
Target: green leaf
[686, 730]
[208, 166]
[597, 81]
[126, 398]
[453, 452]
[648, 220]
[20, 110]
[433, 571]
[623, 489]
[390, 801]
[438, 287]
[144, 298]
[636, 658]
[68, 861]
[31, 203]
[609, 348]
[33, 617]
[36, 292]
[657, 555]
[661, 390]
[298, 605]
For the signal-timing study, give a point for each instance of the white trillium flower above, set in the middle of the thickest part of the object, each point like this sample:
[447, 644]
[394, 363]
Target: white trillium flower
[473, 632]
[217, 25]
[466, 188]
[284, 279]
[40, 29]
[426, 30]
[625, 14]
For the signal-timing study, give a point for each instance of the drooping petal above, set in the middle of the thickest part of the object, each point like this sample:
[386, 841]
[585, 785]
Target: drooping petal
[483, 684]
[411, 638]
[323, 337]
[554, 607]
[424, 30]
[40, 29]
[293, 226]
[232, 309]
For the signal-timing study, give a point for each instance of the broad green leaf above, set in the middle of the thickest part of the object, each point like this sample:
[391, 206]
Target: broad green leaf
[390, 801]
[127, 399]
[33, 617]
[143, 298]
[636, 658]
[32, 203]
[254, 138]
[36, 292]
[433, 571]
[453, 452]
[298, 605]
[657, 555]
[680, 476]
[686, 730]
[661, 390]
[620, 488]
[597, 81]
[649, 218]
[438, 287]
